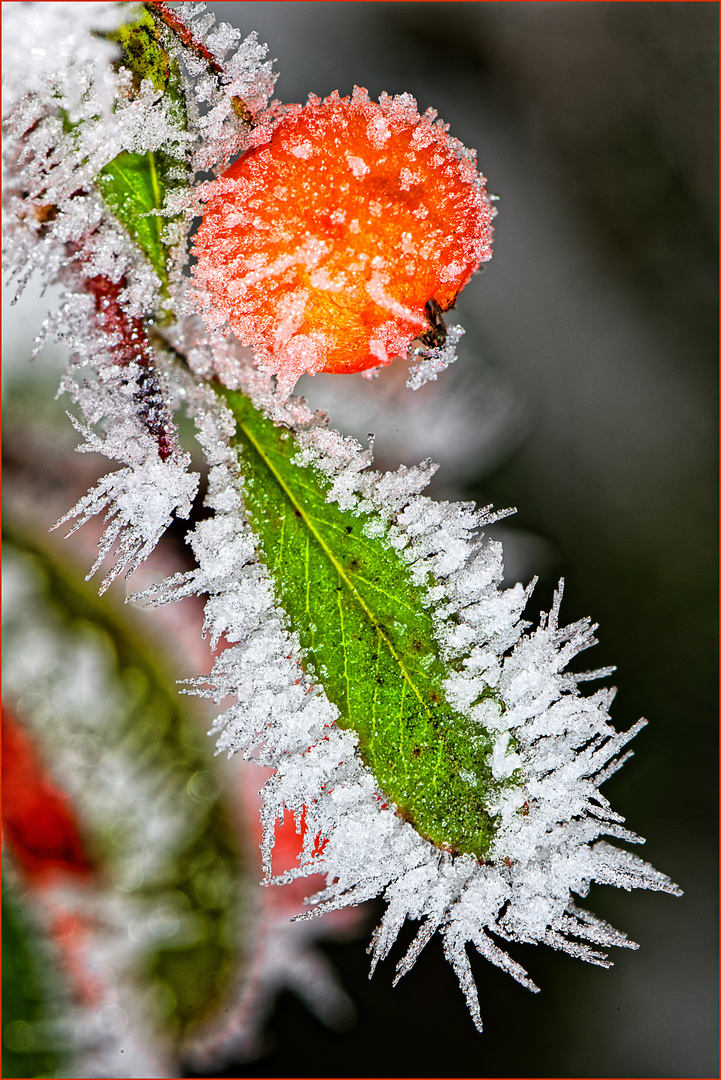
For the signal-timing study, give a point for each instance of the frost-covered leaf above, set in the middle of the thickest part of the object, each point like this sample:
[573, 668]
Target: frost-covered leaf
[339, 240]
[135, 185]
[271, 560]
[365, 624]
[140, 50]
[134, 188]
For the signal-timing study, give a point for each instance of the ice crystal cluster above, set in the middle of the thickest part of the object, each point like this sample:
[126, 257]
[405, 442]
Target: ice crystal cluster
[433, 746]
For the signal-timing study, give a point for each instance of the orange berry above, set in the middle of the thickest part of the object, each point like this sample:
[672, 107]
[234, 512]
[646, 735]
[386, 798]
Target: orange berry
[323, 246]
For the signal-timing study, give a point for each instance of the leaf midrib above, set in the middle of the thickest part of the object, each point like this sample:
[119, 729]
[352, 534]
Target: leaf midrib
[356, 540]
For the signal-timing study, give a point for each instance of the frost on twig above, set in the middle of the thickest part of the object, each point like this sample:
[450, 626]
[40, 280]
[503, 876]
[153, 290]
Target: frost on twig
[130, 399]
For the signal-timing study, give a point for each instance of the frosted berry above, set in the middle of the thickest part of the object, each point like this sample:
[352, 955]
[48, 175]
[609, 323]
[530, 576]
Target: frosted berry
[323, 246]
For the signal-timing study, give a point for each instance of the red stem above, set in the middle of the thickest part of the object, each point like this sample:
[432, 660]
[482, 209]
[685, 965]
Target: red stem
[185, 35]
[187, 38]
[133, 347]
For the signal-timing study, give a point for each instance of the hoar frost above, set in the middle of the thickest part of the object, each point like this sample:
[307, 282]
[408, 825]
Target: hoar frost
[547, 847]
[71, 112]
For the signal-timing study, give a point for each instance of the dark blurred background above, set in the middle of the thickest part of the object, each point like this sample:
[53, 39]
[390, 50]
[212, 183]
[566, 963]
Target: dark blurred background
[585, 396]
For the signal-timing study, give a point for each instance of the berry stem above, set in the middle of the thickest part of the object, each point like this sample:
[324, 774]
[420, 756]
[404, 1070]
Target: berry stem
[185, 36]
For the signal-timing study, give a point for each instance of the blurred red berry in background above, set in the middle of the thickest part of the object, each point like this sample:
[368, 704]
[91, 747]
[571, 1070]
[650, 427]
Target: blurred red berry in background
[39, 824]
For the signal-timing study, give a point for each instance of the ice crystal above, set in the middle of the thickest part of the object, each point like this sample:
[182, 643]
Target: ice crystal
[230, 83]
[429, 362]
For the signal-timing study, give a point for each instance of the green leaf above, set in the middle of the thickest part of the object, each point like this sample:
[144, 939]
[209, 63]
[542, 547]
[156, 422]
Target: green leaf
[152, 727]
[31, 987]
[367, 635]
[141, 51]
[133, 186]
